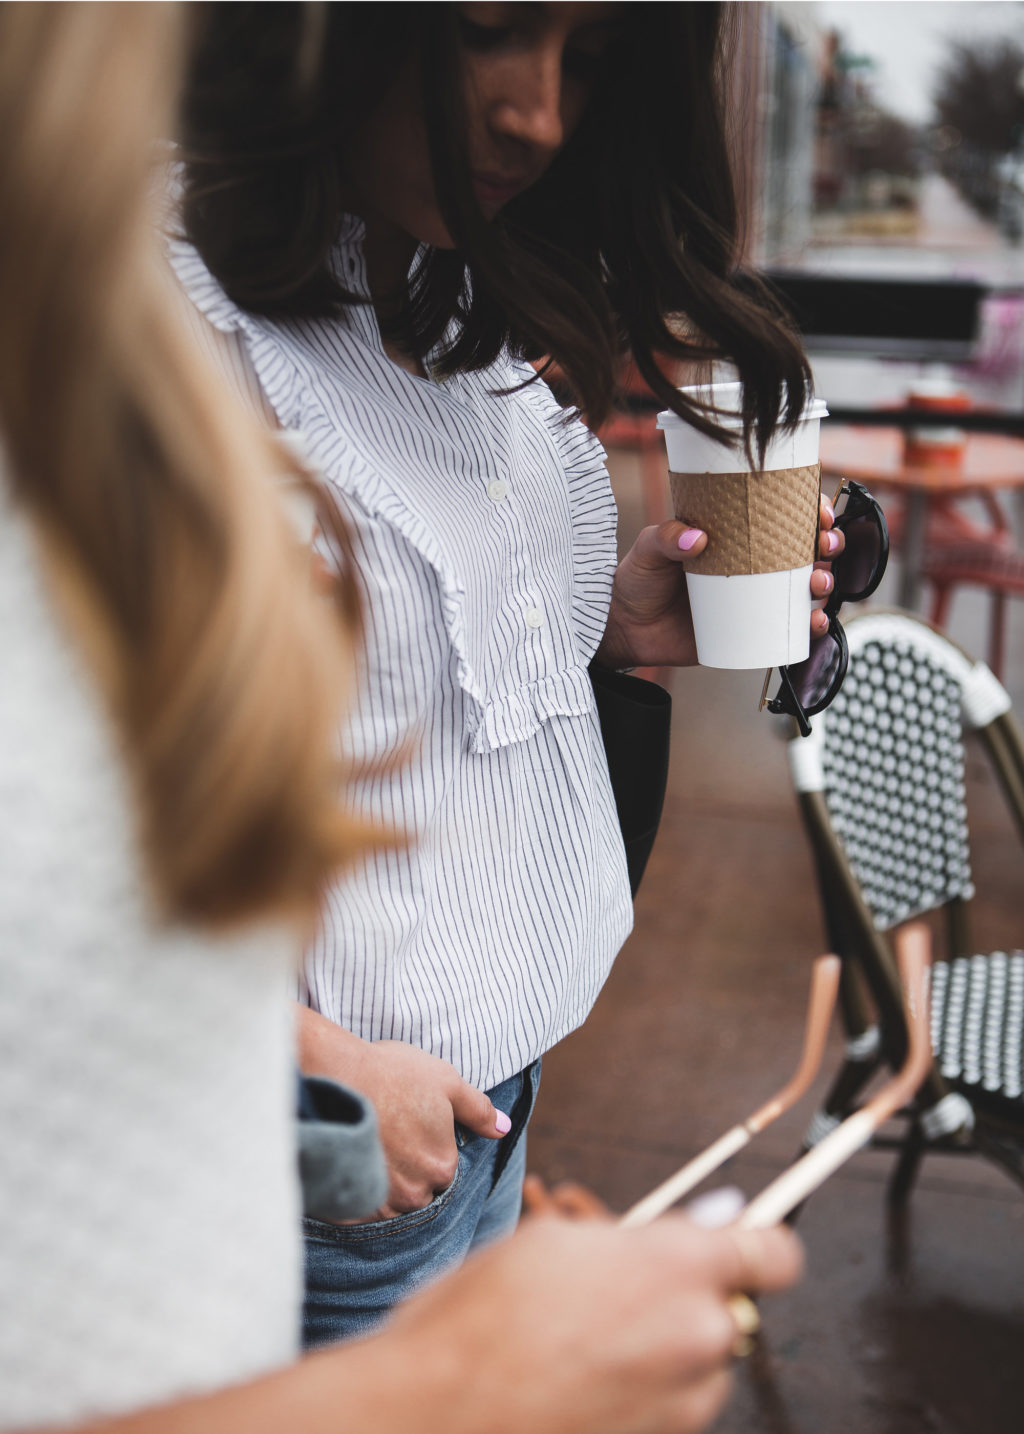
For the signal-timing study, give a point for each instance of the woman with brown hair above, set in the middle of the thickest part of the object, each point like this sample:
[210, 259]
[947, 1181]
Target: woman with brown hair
[170, 819]
[381, 229]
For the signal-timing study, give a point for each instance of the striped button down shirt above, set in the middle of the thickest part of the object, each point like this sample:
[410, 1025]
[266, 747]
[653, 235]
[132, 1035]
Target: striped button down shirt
[484, 528]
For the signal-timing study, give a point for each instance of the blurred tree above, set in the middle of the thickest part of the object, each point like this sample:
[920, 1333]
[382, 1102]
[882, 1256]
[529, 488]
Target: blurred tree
[979, 92]
[979, 100]
[878, 141]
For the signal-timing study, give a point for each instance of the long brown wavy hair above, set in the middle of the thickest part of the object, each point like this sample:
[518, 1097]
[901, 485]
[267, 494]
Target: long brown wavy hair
[152, 493]
[628, 245]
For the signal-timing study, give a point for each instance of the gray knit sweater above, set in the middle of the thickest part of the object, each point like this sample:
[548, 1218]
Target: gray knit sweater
[149, 1231]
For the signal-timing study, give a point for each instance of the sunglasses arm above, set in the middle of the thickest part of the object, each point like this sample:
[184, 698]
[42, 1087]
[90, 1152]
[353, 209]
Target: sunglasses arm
[824, 987]
[800, 1180]
[795, 710]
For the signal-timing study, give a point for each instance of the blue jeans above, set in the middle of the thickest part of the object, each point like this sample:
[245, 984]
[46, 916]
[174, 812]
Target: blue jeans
[355, 1274]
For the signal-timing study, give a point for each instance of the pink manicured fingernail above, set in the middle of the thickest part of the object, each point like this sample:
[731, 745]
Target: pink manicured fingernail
[691, 536]
[833, 541]
[502, 1124]
[829, 510]
[830, 582]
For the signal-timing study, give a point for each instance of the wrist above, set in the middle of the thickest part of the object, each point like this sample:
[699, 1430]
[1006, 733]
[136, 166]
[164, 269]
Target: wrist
[327, 1049]
[613, 652]
[404, 1379]
[597, 665]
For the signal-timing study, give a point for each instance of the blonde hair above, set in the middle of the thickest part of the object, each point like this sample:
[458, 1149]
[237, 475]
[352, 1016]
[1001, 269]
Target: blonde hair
[151, 489]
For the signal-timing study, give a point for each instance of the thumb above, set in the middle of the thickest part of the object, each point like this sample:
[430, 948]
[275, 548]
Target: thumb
[679, 540]
[474, 1110]
[671, 542]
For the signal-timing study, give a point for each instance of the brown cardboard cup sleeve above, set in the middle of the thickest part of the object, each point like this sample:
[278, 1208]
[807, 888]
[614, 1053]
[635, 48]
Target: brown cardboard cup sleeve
[755, 522]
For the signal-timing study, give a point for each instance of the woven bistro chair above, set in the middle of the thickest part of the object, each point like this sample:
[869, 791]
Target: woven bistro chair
[881, 788]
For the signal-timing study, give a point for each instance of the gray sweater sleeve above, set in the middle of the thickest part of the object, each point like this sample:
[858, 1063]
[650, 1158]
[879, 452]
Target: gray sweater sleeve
[341, 1160]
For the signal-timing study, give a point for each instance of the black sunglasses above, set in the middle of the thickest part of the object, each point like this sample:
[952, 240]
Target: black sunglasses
[808, 687]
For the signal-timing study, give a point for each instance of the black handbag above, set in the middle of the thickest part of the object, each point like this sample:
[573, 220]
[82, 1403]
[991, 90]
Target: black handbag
[636, 718]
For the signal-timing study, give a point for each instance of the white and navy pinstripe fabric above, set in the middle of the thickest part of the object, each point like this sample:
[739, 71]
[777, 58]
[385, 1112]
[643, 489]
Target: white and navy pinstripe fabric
[485, 536]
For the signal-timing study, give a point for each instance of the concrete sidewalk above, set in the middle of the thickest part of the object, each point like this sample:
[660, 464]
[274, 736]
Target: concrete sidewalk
[701, 1020]
[950, 240]
[948, 221]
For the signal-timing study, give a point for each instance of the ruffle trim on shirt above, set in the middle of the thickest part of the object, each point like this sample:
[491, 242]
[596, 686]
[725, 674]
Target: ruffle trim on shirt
[279, 380]
[353, 475]
[493, 719]
[516, 716]
[595, 516]
[297, 407]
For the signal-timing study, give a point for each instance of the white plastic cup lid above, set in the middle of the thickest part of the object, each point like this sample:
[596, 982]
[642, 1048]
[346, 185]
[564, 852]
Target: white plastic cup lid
[728, 397]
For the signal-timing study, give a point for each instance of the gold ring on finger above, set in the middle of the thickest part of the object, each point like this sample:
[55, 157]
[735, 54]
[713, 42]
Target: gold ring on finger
[744, 1315]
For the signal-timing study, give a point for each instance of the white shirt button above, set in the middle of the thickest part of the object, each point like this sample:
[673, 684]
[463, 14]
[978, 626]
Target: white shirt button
[534, 617]
[497, 490]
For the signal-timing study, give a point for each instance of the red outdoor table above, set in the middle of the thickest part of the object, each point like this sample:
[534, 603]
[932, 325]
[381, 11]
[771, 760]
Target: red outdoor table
[874, 457]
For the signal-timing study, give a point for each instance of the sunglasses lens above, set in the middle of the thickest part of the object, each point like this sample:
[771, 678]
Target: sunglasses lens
[856, 566]
[814, 678]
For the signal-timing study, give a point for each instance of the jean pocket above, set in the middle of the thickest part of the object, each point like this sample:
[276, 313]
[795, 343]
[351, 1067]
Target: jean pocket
[384, 1229]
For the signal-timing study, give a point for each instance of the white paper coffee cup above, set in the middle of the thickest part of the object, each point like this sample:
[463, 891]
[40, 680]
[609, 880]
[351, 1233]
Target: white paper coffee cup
[745, 619]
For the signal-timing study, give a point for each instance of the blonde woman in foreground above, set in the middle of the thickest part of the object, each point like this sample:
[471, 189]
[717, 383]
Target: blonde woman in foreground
[169, 694]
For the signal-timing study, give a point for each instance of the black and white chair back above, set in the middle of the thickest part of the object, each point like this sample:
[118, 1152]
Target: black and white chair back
[888, 755]
[881, 782]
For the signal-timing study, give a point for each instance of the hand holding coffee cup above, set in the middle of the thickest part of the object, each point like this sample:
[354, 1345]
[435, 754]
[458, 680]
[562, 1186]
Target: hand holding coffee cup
[750, 588]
